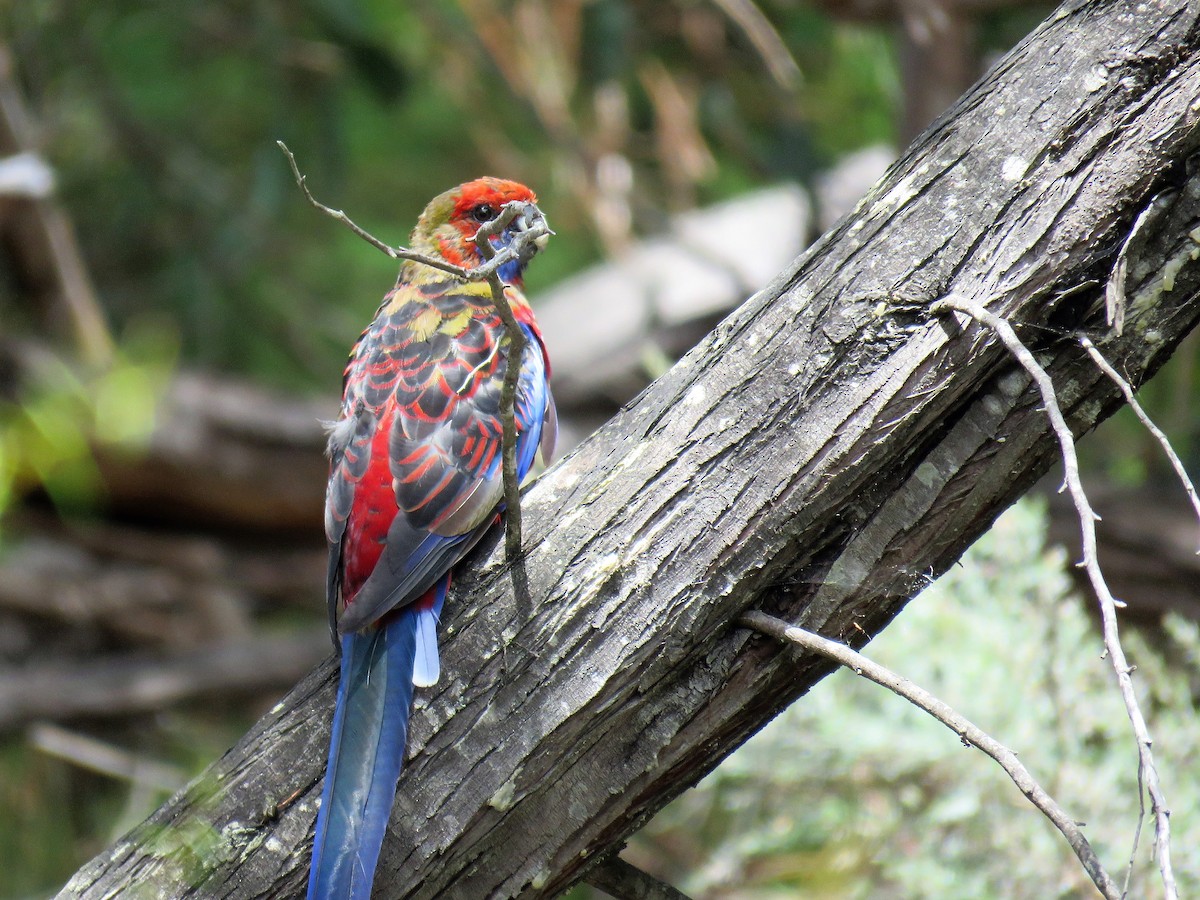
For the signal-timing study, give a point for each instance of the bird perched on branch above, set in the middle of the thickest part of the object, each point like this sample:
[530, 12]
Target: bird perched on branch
[415, 480]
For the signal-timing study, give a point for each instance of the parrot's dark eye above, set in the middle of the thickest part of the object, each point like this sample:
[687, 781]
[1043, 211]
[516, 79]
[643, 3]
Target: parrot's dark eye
[484, 212]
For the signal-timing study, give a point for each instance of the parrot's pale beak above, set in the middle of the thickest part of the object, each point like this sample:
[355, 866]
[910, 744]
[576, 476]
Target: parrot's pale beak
[530, 218]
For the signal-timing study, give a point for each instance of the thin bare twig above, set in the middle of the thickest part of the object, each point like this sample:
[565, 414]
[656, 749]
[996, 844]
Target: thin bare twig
[514, 338]
[625, 881]
[1164, 442]
[393, 252]
[1147, 773]
[967, 731]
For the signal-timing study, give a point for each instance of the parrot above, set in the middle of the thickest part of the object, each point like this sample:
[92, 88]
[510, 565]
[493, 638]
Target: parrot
[415, 480]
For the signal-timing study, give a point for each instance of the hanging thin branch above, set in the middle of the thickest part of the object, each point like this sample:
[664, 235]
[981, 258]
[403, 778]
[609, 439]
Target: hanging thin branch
[1147, 773]
[514, 340]
[1127, 391]
[398, 253]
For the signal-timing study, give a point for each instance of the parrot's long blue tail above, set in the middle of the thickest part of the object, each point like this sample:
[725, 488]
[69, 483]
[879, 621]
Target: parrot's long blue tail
[370, 727]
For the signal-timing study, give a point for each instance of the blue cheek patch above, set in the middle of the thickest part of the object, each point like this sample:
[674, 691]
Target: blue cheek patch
[510, 271]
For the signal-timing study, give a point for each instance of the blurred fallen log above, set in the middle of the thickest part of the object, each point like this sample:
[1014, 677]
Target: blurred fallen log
[87, 587]
[119, 685]
[54, 579]
[222, 453]
[95, 755]
[226, 454]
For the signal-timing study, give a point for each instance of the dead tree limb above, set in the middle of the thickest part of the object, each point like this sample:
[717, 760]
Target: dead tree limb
[822, 454]
[42, 238]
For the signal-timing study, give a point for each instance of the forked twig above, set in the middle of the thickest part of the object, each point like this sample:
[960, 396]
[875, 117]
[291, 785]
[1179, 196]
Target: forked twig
[1147, 773]
[967, 731]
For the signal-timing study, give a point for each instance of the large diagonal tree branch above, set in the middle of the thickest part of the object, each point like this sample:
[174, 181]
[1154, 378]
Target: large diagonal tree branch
[820, 456]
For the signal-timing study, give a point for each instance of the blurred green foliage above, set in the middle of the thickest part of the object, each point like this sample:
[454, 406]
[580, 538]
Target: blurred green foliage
[50, 432]
[59, 815]
[161, 121]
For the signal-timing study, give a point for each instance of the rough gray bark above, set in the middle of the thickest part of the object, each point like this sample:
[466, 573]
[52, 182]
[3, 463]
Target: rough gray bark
[821, 455]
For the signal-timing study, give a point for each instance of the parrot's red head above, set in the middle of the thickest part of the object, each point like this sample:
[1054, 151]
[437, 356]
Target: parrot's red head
[448, 225]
